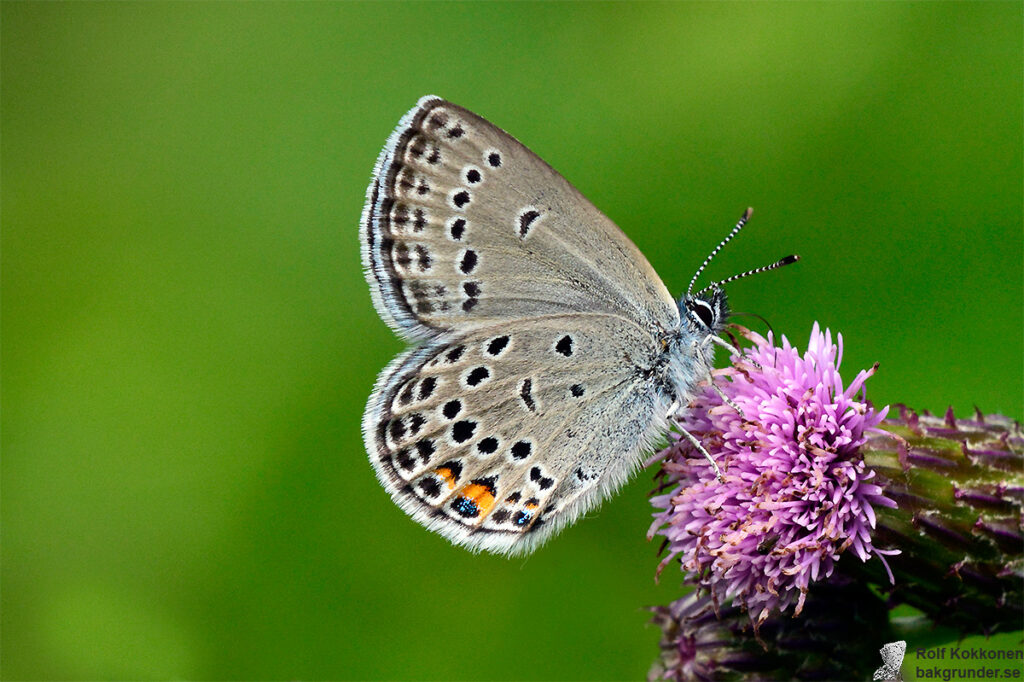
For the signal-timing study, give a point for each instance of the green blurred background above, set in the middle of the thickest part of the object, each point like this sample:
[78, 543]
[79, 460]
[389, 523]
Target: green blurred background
[188, 340]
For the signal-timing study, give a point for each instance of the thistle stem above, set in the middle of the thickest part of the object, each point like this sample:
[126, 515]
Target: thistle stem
[959, 484]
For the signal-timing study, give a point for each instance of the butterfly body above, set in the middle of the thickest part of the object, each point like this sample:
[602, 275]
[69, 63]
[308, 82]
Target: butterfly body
[549, 352]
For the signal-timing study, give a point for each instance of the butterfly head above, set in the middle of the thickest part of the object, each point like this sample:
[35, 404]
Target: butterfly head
[705, 312]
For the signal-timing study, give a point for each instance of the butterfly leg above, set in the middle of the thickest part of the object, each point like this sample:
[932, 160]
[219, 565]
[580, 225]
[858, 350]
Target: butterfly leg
[732, 349]
[672, 409]
[700, 448]
[726, 399]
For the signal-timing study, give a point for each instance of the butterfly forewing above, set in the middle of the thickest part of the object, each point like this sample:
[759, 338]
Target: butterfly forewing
[464, 225]
[501, 435]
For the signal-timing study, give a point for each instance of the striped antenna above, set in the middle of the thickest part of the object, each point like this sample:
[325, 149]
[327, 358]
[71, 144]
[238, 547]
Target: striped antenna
[764, 268]
[735, 231]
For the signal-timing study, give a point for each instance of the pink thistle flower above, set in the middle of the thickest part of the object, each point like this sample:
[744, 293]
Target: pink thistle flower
[796, 492]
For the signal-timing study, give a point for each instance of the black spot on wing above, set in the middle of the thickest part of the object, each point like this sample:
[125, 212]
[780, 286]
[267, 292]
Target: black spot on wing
[542, 481]
[425, 448]
[402, 255]
[397, 429]
[416, 422]
[466, 507]
[423, 257]
[526, 395]
[495, 346]
[468, 262]
[521, 450]
[463, 430]
[457, 228]
[451, 409]
[430, 486]
[564, 346]
[526, 220]
[426, 388]
[477, 376]
[405, 460]
[436, 121]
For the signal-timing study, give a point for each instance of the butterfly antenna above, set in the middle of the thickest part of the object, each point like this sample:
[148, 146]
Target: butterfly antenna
[735, 231]
[764, 268]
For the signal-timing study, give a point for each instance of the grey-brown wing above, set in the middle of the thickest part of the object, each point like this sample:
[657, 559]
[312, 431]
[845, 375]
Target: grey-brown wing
[499, 436]
[465, 226]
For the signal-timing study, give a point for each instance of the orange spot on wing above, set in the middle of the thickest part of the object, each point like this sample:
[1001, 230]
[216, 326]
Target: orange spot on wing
[447, 475]
[482, 495]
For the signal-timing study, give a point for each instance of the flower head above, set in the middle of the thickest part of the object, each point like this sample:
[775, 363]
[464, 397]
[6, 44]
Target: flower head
[795, 493]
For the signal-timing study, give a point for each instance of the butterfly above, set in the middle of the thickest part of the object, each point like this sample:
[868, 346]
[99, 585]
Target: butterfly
[548, 356]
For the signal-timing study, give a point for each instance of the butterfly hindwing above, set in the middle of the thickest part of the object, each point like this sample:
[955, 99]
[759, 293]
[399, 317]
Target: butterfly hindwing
[499, 436]
[463, 225]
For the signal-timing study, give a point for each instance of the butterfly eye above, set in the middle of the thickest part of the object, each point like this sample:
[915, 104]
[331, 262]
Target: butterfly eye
[703, 311]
